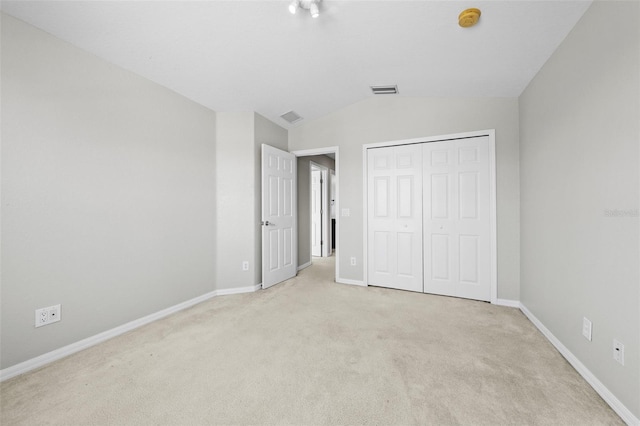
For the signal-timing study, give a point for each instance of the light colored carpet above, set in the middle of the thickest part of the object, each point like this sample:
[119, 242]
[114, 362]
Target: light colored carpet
[309, 351]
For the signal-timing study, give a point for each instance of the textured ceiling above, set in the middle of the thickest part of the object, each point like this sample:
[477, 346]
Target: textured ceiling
[256, 56]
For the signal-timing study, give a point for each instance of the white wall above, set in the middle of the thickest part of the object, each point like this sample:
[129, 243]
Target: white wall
[108, 194]
[580, 132]
[388, 118]
[235, 188]
[239, 194]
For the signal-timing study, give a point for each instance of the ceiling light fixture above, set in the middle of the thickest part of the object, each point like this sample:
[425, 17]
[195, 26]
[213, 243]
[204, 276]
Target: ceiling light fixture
[293, 7]
[310, 5]
[313, 9]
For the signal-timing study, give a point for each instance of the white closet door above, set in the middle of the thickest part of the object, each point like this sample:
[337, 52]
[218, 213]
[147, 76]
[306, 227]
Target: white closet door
[395, 217]
[457, 246]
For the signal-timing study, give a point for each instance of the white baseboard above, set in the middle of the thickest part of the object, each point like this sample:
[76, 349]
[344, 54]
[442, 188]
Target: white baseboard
[227, 291]
[351, 282]
[44, 359]
[507, 302]
[596, 384]
[306, 265]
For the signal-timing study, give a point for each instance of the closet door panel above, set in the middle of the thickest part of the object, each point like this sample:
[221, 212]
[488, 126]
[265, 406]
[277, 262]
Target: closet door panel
[381, 253]
[439, 264]
[440, 206]
[395, 217]
[456, 206]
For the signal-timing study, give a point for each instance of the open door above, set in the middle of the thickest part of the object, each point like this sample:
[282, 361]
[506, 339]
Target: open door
[279, 209]
[316, 212]
[320, 223]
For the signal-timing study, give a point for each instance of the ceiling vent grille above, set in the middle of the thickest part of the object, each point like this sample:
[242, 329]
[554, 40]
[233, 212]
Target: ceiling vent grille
[384, 90]
[291, 117]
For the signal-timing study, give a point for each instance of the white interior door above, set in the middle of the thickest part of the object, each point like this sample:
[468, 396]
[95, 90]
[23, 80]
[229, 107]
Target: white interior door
[316, 213]
[324, 212]
[394, 252]
[457, 227]
[279, 235]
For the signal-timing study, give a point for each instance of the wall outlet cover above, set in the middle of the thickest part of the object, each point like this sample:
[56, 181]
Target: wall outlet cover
[618, 351]
[48, 315]
[586, 328]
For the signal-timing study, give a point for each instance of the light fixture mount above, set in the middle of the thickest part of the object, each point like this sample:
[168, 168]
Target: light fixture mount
[311, 5]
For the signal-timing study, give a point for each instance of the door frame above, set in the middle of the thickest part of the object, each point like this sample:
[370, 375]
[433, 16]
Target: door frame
[491, 134]
[322, 151]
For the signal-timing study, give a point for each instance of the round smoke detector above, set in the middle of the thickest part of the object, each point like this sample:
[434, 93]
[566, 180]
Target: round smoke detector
[469, 17]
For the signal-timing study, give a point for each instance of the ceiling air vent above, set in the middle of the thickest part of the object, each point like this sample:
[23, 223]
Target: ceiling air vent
[291, 117]
[384, 90]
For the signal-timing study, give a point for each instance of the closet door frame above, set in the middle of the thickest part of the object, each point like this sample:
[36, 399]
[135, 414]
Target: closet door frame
[492, 196]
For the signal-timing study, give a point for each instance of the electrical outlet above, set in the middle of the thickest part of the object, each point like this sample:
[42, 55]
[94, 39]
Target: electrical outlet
[245, 265]
[47, 315]
[353, 261]
[586, 328]
[346, 212]
[618, 351]
[42, 317]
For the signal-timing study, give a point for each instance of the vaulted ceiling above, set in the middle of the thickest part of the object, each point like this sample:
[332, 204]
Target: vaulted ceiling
[256, 56]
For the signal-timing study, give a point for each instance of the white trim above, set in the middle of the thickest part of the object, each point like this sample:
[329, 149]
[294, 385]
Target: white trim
[617, 406]
[365, 216]
[306, 265]
[438, 138]
[493, 216]
[228, 291]
[315, 151]
[491, 134]
[506, 302]
[350, 282]
[80, 345]
[321, 151]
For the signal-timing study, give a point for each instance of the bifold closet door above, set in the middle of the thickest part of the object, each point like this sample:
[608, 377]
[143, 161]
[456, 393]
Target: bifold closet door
[457, 245]
[395, 217]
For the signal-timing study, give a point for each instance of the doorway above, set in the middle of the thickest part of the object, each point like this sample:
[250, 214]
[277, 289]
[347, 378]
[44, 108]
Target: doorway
[327, 160]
